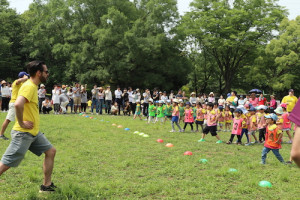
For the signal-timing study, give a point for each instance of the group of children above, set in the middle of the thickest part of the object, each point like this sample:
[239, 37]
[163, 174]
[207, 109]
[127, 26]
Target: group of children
[244, 120]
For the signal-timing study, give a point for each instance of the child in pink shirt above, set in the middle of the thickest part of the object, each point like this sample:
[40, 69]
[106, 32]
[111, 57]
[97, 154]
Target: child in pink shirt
[286, 123]
[211, 118]
[238, 123]
[188, 116]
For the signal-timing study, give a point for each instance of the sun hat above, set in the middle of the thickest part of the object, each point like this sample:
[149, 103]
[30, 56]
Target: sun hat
[187, 103]
[272, 116]
[168, 101]
[252, 109]
[283, 105]
[21, 74]
[193, 93]
[175, 101]
[161, 101]
[211, 93]
[42, 85]
[238, 110]
[279, 110]
[151, 100]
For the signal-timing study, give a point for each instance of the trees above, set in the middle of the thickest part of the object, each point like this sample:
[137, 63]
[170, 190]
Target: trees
[284, 52]
[117, 42]
[231, 33]
[10, 45]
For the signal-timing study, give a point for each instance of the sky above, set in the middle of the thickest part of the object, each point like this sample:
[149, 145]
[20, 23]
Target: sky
[293, 6]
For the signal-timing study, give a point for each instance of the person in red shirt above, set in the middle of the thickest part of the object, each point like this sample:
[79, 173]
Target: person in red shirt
[262, 100]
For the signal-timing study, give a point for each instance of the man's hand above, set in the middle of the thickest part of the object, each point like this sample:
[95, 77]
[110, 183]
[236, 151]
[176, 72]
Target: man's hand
[27, 125]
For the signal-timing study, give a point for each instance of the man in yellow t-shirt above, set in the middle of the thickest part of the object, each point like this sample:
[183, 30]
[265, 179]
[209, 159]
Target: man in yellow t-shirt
[290, 100]
[11, 115]
[25, 133]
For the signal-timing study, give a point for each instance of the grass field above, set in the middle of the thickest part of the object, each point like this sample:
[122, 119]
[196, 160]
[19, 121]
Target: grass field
[96, 160]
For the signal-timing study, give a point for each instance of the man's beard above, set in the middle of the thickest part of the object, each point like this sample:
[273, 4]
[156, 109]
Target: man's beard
[43, 79]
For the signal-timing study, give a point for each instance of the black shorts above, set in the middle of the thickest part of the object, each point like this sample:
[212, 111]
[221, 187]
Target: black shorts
[211, 129]
[200, 122]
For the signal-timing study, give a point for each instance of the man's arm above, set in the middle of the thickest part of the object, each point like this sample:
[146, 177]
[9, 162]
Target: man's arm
[19, 106]
[21, 80]
[295, 152]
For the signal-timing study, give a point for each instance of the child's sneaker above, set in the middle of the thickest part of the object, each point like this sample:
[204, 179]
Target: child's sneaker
[219, 142]
[248, 144]
[50, 188]
[172, 131]
[201, 140]
[290, 142]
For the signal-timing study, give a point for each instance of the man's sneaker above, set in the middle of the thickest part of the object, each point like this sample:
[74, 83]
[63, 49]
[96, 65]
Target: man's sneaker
[201, 140]
[248, 144]
[219, 142]
[3, 137]
[50, 188]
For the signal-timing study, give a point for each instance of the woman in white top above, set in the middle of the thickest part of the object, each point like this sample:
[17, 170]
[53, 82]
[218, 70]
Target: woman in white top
[193, 98]
[5, 96]
[55, 99]
[241, 101]
[164, 97]
[221, 101]
[211, 98]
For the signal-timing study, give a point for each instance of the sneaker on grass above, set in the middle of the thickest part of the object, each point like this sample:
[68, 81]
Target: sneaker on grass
[201, 140]
[219, 142]
[3, 137]
[50, 188]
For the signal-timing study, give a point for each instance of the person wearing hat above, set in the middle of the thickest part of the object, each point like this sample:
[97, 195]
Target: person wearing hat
[279, 122]
[151, 111]
[252, 126]
[193, 98]
[175, 116]
[237, 126]
[160, 114]
[261, 123]
[286, 123]
[137, 110]
[273, 139]
[290, 100]
[211, 97]
[26, 133]
[168, 111]
[22, 77]
[211, 125]
[146, 96]
[5, 91]
[42, 95]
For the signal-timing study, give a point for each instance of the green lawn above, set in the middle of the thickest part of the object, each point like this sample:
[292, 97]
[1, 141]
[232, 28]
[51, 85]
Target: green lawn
[96, 160]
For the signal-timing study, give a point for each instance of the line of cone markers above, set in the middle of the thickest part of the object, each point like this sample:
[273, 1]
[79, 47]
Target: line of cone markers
[263, 183]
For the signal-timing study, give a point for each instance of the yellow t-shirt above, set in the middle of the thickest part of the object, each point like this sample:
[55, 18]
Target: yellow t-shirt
[15, 90]
[31, 110]
[291, 101]
[89, 103]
